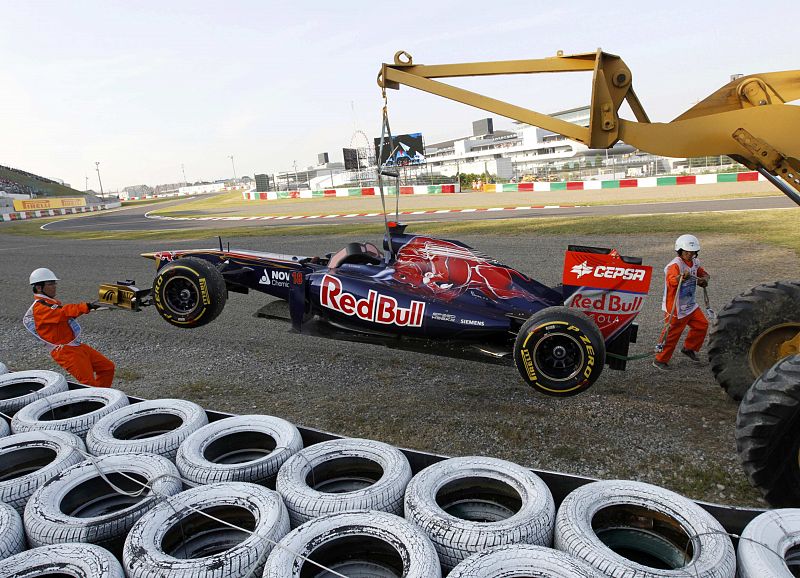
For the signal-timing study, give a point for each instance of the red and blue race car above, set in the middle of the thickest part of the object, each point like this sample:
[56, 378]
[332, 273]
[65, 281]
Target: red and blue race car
[417, 289]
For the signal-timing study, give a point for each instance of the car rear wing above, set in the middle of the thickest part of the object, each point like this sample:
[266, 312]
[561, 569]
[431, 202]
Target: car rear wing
[608, 287]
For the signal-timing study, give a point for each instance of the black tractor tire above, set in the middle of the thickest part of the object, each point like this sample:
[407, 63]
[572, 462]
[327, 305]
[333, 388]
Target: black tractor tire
[559, 352]
[765, 309]
[768, 433]
[189, 292]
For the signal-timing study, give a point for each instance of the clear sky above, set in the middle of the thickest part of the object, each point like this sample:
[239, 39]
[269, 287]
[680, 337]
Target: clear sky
[144, 87]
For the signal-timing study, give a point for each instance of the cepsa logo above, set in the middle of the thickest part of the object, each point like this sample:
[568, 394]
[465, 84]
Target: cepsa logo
[626, 273]
[605, 271]
[376, 308]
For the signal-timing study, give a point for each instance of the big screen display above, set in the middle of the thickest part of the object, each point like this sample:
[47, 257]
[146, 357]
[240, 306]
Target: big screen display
[406, 149]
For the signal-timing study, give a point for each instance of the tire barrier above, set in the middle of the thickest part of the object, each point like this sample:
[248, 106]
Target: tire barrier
[631, 529]
[468, 504]
[766, 432]
[156, 426]
[98, 501]
[27, 460]
[523, 561]
[3, 368]
[343, 475]
[174, 540]
[5, 429]
[19, 388]
[376, 544]
[231, 528]
[767, 543]
[245, 448]
[63, 560]
[12, 535]
[73, 411]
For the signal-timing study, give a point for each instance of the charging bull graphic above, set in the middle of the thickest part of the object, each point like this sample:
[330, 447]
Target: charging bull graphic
[448, 270]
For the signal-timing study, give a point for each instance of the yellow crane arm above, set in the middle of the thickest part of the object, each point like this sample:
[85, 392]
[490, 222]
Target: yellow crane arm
[748, 119]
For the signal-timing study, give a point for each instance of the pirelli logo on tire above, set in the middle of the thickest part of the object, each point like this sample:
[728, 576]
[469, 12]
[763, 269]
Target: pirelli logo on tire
[204, 292]
[527, 362]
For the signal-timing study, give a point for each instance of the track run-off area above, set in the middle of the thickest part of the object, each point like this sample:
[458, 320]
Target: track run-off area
[169, 214]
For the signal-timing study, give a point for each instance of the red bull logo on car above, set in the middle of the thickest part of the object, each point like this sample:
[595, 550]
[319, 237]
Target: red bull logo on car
[610, 290]
[375, 308]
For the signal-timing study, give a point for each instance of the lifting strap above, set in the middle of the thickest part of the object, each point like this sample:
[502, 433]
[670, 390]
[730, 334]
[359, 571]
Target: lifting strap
[386, 132]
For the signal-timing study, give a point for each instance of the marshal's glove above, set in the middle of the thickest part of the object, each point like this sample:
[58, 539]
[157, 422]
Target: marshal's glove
[702, 281]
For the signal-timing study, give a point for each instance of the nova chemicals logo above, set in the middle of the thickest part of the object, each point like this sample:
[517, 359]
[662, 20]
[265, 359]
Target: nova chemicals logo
[582, 269]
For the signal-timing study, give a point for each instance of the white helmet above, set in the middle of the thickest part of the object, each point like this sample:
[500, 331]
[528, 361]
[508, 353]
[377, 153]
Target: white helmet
[687, 243]
[41, 275]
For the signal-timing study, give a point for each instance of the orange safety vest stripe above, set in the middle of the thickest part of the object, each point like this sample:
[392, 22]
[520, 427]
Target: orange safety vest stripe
[52, 319]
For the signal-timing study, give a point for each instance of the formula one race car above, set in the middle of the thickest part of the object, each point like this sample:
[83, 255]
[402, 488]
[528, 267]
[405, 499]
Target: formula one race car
[420, 290]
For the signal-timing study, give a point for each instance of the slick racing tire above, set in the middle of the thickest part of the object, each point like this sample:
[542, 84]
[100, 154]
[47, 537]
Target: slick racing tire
[768, 433]
[19, 388]
[189, 292]
[28, 460]
[12, 535]
[769, 544]
[374, 544]
[747, 337]
[245, 448]
[559, 351]
[63, 561]
[342, 476]
[156, 426]
[482, 502]
[99, 500]
[638, 530]
[174, 540]
[74, 411]
[523, 561]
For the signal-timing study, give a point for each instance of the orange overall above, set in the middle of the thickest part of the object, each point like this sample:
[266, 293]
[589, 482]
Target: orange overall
[53, 323]
[685, 312]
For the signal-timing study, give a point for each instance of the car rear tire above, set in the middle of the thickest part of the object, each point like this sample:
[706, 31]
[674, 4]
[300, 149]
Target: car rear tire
[559, 352]
[189, 292]
[747, 335]
[767, 437]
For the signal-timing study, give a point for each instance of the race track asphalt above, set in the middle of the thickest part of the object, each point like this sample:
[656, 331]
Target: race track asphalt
[133, 218]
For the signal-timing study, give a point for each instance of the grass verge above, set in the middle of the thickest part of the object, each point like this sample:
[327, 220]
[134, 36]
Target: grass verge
[232, 204]
[777, 227]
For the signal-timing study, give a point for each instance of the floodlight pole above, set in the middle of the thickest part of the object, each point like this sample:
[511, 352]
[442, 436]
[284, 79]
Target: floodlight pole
[233, 166]
[97, 165]
[185, 182]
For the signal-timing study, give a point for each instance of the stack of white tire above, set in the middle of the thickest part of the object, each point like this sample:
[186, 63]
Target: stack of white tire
[92, 485]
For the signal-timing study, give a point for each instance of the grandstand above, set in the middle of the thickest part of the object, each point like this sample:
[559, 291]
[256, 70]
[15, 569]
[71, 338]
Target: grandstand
[17, 182]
